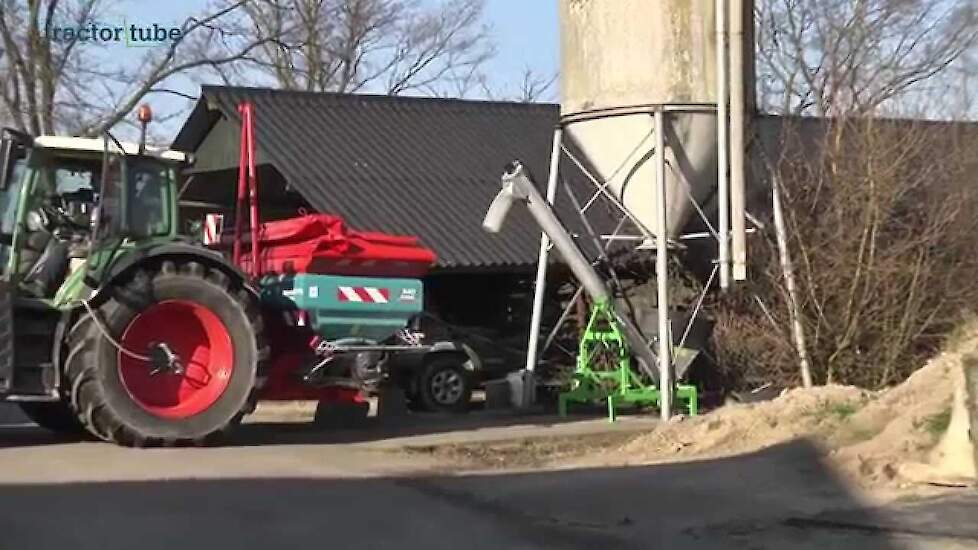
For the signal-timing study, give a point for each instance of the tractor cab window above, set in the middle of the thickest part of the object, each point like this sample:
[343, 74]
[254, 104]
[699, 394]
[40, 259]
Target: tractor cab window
[73, 188]
[73, 179]
[144, 210]
[10, 196]
[8, 210]
[149, 199]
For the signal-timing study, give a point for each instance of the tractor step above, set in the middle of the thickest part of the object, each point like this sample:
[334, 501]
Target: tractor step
[32, 328]
[31, 370]
[35, 379]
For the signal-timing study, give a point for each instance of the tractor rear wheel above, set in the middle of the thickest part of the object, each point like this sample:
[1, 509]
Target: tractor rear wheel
[207, 322]
[55, 416]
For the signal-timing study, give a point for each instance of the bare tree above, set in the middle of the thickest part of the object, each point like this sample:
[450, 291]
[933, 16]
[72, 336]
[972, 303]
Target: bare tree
[63, 84]
[875, 210]
[832, 57]
[532, 87]
[879, 220]
[536, 87]
[389, 46]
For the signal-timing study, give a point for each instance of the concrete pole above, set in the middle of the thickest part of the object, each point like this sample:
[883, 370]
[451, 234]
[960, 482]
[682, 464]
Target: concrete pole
[723, 181]
[540, 286]
[662, 269]
[738, 139]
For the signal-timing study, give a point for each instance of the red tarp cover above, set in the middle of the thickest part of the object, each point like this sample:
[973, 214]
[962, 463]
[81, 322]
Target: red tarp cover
[321, 243]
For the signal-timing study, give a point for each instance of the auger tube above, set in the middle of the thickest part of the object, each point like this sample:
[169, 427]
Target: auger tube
[518, 185]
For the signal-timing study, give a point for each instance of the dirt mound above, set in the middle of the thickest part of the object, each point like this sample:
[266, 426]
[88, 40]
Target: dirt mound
[868, 434]
[743, 428]
[904, 424]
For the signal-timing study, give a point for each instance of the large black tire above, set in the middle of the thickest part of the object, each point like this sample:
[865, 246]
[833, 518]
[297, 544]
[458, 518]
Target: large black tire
[444, 384]
[55, 416]
[103, 402]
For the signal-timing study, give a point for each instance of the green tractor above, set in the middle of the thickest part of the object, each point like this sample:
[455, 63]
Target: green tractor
[111, 323]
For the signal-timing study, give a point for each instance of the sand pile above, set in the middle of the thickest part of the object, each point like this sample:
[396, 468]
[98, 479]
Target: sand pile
[743, 428]
[902, 425]
[868, 434]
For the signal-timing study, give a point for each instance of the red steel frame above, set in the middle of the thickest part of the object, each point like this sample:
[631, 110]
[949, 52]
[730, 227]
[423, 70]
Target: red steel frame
[288, 346]
[247, 190]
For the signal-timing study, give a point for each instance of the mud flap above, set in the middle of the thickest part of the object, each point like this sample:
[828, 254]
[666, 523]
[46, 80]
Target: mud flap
[6, 337]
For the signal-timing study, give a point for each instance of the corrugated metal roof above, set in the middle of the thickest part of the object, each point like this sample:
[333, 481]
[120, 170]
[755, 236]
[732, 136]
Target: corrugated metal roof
[420, 166]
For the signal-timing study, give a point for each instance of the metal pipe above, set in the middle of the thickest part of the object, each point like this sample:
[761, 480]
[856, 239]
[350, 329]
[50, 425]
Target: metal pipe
[242, 191]
[738, 139]
[698, 306]
[563, 317]
[723, 181]
[603, 189]
[518, 186]
[253, 194]
[629, 110]
[540, 285]
[662, 268]
[380, 347]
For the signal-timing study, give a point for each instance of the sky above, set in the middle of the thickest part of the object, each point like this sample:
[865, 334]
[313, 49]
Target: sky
[525, 33]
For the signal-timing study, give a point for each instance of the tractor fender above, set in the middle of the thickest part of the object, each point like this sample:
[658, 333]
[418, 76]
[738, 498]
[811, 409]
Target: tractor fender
[182, 250]
[210, 258]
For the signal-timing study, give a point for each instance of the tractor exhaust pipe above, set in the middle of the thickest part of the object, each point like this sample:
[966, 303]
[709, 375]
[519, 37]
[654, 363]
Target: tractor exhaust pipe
[518, 185]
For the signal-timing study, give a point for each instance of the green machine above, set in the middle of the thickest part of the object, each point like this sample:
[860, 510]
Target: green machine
[615, 364]
[604, 370]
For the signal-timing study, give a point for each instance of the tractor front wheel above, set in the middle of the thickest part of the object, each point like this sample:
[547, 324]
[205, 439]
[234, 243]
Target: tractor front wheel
[181, 365]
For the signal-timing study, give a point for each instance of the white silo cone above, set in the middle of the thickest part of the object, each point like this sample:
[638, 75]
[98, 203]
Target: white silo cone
[640, 52]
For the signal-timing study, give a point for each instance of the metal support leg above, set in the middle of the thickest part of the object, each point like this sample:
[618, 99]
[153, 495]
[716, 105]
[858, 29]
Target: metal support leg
[540, 285]
[662, 269]
[723, 164]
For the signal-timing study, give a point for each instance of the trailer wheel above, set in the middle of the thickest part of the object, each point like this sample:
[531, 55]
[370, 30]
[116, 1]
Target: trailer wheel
[211, 324]
[55, 416]
[444, 384]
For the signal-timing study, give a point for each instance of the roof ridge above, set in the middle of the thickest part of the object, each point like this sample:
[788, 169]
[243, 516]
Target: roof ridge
[256, 90]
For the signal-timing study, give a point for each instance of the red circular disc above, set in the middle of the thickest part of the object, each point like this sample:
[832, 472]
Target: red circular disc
[201, 341]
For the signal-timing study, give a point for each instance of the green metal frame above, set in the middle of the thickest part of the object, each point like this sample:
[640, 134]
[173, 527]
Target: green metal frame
[617, 387]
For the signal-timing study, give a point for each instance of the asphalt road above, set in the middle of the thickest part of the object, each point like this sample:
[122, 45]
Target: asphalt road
[281, 487]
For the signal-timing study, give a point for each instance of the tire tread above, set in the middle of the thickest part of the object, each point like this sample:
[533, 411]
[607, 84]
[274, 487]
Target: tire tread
[86, 397]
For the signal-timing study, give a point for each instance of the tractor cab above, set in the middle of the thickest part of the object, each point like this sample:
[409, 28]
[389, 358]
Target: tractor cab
[68, 204]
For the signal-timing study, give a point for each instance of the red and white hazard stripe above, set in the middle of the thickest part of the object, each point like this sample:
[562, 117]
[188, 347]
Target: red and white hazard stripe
[213, 225]
[365, 294]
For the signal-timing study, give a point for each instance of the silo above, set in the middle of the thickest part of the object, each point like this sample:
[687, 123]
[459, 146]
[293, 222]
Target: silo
[628, 53]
